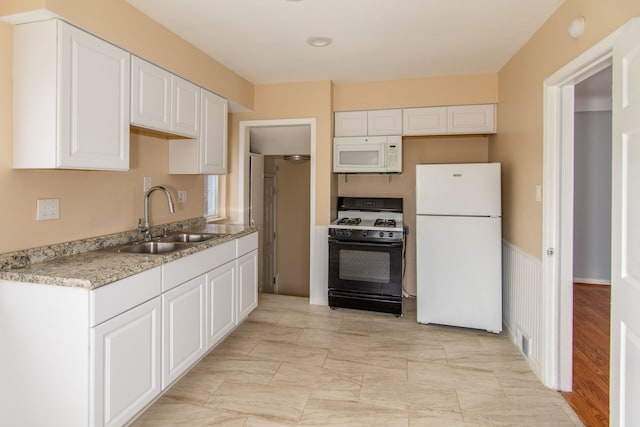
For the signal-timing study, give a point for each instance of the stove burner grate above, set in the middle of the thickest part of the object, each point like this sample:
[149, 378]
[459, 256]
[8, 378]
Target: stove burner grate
[349, 221]
[381, 222]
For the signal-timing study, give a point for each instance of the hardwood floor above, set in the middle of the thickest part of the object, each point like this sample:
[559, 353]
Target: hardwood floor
[591, 319]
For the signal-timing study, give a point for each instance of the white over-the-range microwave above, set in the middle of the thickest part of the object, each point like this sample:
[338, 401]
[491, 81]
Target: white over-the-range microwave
[367, 154]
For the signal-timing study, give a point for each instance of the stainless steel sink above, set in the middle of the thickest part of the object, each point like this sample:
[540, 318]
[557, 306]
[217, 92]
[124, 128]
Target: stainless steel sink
[190, 237]
[151, 247]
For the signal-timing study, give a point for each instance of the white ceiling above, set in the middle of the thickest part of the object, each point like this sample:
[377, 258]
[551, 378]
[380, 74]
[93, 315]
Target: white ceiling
[265, 41]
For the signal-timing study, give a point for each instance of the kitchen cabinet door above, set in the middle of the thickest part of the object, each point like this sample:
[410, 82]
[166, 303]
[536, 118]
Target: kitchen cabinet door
[424, 121]
[150, 95]
[221, 307]
[384, 122]
[471, 119]
[213, 135]
[71, 99]
[183, 328]
[350, 123]
[125, 357]
[185, 107]
[247, 284]
[208, 153]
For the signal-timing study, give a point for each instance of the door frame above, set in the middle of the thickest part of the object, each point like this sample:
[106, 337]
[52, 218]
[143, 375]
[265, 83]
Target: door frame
[243, 185]
[557, 213]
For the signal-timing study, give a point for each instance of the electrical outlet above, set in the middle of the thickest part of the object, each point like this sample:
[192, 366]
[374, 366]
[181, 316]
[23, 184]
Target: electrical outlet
[47, 209]
[538, 193]
[146, 184]
[182, 196]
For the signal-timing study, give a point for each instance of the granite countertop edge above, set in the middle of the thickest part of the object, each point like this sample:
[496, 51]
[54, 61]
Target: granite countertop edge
[89, 264]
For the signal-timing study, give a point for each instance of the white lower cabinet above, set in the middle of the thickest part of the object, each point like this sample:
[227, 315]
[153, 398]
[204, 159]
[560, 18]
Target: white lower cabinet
[99, 357]
[125, 364]
[221, 294]
[183, 328]
[247, 284]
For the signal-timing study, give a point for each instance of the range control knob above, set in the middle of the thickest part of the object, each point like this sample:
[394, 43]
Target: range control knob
[364, 232]
[382, 234]
[390, 234]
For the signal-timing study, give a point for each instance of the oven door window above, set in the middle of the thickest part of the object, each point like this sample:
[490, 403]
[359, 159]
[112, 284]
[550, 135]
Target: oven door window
[364, 266]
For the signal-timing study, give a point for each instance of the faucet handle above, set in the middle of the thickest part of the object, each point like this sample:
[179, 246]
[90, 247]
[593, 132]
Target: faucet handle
[165, 231]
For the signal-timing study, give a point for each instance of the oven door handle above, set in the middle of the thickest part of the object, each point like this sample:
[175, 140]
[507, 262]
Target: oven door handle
[351, 243]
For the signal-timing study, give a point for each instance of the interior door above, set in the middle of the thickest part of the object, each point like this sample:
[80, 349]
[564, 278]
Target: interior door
[625, 235]
[270, 234]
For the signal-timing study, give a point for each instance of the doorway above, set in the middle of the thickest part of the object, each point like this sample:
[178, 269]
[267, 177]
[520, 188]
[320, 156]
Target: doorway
[558, 211]
[277, 139]
[592, 154]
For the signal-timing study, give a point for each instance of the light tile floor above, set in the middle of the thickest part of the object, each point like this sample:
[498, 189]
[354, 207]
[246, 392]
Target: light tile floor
[292, 363]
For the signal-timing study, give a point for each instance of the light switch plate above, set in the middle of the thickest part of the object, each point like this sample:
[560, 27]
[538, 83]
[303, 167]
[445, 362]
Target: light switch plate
[146, 183]
[182, 196]
[47, 209]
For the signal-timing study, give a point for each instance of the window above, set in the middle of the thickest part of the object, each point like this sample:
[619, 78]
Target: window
[211, 196]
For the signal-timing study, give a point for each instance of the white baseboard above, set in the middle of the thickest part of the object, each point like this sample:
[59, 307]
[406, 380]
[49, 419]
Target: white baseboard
[592, 281]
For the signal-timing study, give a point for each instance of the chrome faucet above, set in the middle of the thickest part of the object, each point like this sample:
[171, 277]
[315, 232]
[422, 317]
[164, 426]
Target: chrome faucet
[145, 227]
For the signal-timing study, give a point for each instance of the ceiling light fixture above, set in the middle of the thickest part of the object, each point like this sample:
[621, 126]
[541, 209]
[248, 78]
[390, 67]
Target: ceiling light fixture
[319, 41]
[297, 158]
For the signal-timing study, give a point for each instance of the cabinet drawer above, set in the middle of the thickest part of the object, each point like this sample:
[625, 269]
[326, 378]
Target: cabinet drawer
[246, 244]
[179, 271]
[113, 299]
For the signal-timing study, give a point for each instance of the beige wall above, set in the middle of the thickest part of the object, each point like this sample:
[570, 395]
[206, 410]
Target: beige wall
[93, 202]
[291, 101]
[416, 150]
[293, 227]
[518, 144]
[428, 91]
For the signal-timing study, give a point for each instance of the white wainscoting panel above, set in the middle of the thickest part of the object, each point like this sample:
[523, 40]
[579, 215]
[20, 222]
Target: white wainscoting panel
[521, 301]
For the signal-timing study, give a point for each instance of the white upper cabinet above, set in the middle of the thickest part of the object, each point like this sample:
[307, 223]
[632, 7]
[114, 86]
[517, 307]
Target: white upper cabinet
[163, 101]
[208, 153]
[350, 123]
[424, 121]
[185, 107]
[150, 95]
[365, 123]
[384, 122]
[469, 119]
[450, 120]
[213, 135]
[71, 99]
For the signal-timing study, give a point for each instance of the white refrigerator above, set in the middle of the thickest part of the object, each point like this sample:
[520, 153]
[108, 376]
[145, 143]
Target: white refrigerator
[458, 245]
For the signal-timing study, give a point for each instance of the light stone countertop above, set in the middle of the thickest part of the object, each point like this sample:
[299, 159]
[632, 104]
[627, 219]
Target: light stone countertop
[90, 264]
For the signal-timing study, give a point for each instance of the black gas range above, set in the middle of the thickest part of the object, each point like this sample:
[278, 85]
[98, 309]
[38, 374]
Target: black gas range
[366, 255]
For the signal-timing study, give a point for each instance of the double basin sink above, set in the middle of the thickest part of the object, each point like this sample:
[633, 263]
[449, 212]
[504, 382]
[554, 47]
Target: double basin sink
[164, 245]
